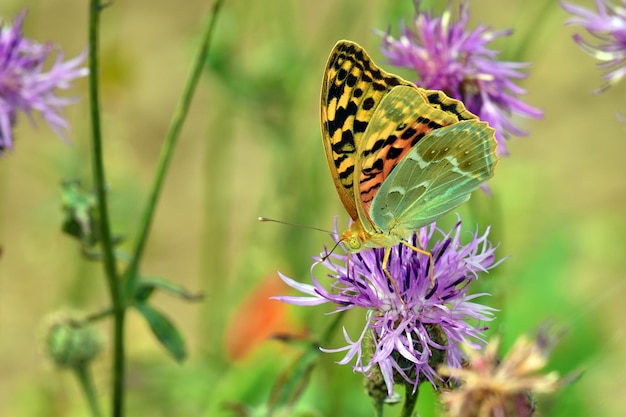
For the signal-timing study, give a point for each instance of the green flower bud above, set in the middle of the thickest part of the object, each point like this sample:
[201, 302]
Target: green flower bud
[71, 343]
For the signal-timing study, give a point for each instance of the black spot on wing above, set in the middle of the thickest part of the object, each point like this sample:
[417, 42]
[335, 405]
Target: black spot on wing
[393, 81]
[346, 138]
[359, 126]
[351, 81]
[345, 174]
[369, 190]
[408, 133]
[344, 146]
[369, 103]
[393, 152]
[341, 116]
[430, 123]
[379, 86]
[417, 139]
[452, 107]
[378, 165]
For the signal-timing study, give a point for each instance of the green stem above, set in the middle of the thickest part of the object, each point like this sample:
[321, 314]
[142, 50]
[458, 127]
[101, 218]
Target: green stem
[99, 315]
[86, 383]
[410, 400]
[113, 282]
[379, 408]
[535, 27]
[167, 150]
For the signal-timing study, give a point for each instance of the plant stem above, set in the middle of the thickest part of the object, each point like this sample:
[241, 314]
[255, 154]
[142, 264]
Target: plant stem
[535, 27]
[99, 315]
[86, 382]
[117, 300]
[379, 408]
[167, 150]
[410, 399]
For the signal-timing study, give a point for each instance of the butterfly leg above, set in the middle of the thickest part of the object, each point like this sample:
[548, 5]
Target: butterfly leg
[389, 277]
[431, 263]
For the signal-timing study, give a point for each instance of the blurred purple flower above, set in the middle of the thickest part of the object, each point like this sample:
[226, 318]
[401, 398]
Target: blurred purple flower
[449, 57]
[408, 335]
[26, 87]
[608, 26]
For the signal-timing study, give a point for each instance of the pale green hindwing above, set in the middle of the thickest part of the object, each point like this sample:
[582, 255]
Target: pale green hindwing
[436, 176]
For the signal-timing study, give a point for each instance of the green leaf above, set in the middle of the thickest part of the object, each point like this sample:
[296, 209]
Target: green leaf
[164, 330]
[146, 288]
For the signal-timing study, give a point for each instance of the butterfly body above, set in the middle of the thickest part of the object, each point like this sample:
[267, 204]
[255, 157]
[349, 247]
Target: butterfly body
[400, 156]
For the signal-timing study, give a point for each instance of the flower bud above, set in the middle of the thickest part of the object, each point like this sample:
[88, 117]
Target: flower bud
[70, 342]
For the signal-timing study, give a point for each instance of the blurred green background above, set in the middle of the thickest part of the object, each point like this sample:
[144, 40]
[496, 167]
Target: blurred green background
[251, 147]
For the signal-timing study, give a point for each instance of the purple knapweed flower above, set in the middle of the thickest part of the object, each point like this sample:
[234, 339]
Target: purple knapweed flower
[25, 85]
[447, 56]
[407, 334]
[608, 26]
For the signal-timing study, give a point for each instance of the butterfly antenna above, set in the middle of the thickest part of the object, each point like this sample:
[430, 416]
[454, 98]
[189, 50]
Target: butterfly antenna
[331, 251]
[265, 219]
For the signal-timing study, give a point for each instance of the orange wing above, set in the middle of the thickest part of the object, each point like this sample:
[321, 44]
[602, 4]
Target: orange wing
[352, 89]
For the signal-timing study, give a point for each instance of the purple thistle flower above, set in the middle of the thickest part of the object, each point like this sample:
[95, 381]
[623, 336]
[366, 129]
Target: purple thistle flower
[608, 26]
[449, 57]
[422, 327]
[26, 87]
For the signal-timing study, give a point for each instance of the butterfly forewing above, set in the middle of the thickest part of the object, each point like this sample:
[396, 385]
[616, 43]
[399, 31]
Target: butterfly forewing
[437, 175]
[352, 89]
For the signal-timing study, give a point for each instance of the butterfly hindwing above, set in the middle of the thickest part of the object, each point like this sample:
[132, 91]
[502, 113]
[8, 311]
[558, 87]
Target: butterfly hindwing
[352, 88]
[436, 176]
[404, 117]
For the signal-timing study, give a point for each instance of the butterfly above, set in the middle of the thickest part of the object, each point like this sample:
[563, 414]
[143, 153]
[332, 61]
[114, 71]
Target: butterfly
[400, 156]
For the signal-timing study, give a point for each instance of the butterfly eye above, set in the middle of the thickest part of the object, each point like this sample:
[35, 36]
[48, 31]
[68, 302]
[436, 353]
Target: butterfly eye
[355, 243]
